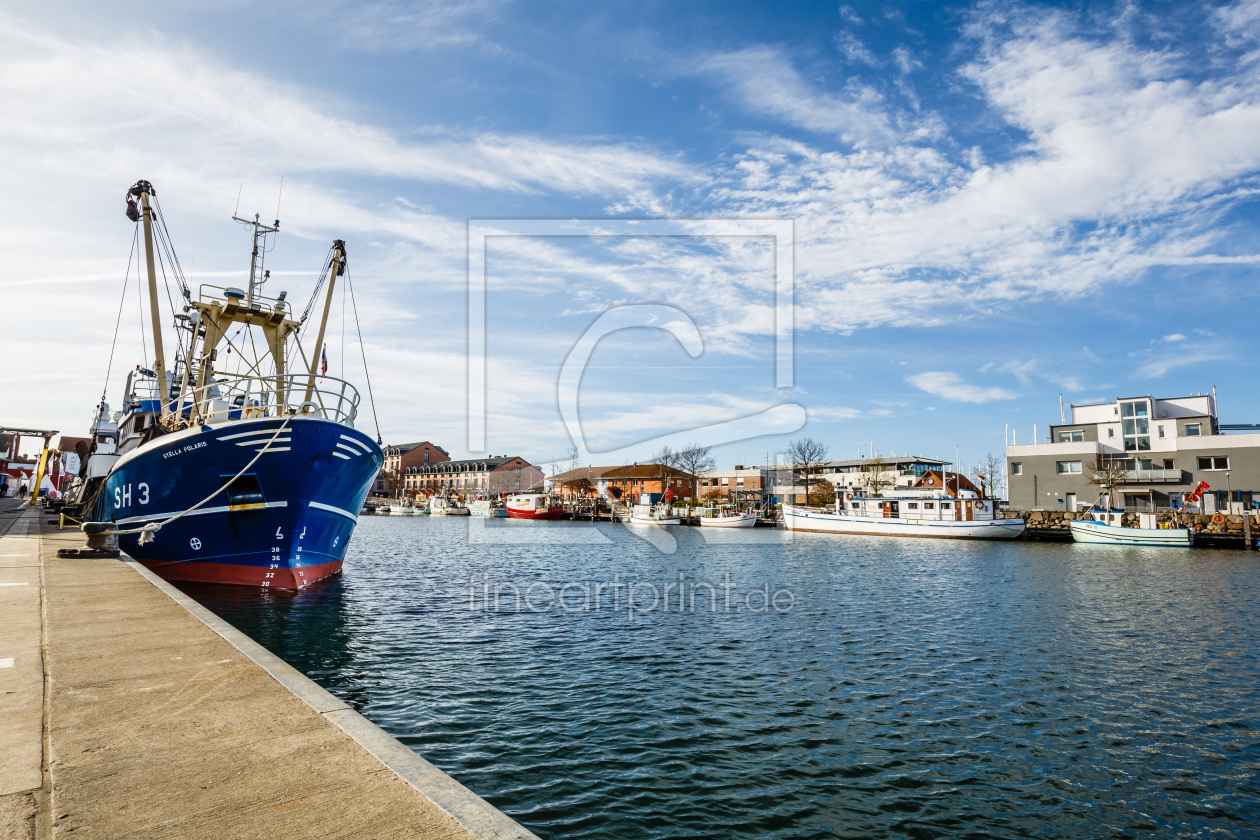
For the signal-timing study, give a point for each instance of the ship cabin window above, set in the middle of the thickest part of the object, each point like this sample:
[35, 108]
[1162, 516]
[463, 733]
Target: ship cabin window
[946, 505]
[1193, 430]
[1213, 463]
[1017, 468]
[1067, 467]
[929, 505]
[912, 505]
[1073, 436]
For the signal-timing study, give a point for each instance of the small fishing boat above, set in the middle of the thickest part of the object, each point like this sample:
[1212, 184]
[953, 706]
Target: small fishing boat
[487, 507]
[727, 517]
[533, 506]
[654, 515]
[444, 506]
[1104, 526]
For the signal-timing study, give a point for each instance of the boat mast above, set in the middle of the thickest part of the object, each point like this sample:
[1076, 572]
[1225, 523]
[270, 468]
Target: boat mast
[336, 268]
[143, 189]
[260, 230]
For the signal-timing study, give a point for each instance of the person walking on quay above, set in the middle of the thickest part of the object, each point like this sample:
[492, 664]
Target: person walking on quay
[4, 487]
[22, 491]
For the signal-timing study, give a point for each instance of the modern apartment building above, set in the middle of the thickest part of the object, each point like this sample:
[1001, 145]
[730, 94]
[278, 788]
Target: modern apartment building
[1167, 446]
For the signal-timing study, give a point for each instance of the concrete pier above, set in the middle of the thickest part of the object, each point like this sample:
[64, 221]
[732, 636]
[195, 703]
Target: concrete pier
[130, 711]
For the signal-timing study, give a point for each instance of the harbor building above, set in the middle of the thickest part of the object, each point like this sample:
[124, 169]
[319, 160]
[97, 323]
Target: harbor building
[740, 484]
[782, 484]
[1165, 445]
[493, 476]
[401, 457]
[628, 481]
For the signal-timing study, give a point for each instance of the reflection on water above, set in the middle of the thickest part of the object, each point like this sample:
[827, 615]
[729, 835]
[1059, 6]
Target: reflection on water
[917, 688]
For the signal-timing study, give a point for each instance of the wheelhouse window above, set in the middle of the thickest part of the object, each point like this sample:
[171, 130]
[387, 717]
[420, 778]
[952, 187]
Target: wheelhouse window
[929, 505]
[1193, 430]
[1072, 436]
[947, 505]
[1213, 463]
[1017, 468]
[1067, 467]
[912, 505]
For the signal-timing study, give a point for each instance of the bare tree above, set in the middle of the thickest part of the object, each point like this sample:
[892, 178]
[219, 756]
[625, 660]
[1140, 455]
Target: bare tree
[877, 473]
[695, 459]
[990, 470]
[1105, 473]
[666, 461]
[806, 454]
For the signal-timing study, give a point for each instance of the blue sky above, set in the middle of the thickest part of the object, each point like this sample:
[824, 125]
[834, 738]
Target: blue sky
[993, 204]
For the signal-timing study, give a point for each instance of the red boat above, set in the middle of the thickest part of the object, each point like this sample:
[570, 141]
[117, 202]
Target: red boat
[533, 506]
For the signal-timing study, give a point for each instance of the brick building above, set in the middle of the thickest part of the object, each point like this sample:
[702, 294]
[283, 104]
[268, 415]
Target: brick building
[402, 456]
[493, 476]
[622, 483]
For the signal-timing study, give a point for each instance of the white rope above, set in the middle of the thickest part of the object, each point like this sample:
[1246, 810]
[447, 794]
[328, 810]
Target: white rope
[146, 532]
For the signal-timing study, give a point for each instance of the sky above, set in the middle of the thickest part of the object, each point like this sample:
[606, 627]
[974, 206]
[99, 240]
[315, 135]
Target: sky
[992, 205]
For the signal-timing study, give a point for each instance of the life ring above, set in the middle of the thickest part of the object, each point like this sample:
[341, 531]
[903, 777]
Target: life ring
[848, 497]
[978, 505]
[1217, 519]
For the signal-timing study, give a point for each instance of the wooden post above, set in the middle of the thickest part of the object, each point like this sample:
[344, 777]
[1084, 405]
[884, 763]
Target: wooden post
[1246, 531]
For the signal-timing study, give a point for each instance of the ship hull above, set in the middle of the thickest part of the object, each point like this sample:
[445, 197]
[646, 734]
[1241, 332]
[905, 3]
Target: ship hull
[551, 513]
[1098, 532]
[284, 524]
[803, 519]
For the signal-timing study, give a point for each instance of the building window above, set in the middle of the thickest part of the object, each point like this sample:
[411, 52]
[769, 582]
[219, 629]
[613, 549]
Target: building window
[1067, 467]
[1161, 431]
[726, 482]
[1168, 463]
[1111, 433]
[739, 482]
[1017, 468]
[1074, 436]
[1193, 429]
[1214, 463]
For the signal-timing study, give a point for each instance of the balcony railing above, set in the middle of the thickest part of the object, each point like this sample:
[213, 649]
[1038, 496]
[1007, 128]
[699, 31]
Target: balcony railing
[1149, 476]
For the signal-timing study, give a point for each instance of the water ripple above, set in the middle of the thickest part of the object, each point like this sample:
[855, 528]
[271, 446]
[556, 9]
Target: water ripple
[916, 689]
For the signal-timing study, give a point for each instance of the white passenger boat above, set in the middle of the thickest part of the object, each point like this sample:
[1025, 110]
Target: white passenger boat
[1104, 526]
[729, 518]
[908, 513]
[487, 507]
[653, 515]
[442, 506]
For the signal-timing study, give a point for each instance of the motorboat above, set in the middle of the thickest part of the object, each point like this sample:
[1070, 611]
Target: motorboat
[654, 515]
[727, 517]
[939, 514]
[487, 507]
[533, 506]
[445, 506]
[1105, 526]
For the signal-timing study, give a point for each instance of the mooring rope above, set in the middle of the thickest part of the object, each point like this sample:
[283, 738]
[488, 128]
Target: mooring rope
[147, 531]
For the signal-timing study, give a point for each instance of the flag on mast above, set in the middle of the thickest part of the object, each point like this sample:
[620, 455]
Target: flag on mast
[323, 362]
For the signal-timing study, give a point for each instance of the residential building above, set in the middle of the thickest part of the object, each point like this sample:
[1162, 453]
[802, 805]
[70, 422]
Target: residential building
[492, 476]
[1166, 446]
[400, 457]
[627, 482]
[738, 484]
[869, 475]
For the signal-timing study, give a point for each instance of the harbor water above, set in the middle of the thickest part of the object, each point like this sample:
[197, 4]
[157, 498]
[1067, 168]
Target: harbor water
[804, 686]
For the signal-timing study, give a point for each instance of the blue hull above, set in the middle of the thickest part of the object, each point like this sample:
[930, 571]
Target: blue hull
[285, 523]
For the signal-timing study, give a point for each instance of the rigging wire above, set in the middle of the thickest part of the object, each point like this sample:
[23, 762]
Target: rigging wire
[366, 375]
[135, 241]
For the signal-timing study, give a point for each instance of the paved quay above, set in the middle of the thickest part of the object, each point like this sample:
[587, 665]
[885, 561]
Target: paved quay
[130, 711]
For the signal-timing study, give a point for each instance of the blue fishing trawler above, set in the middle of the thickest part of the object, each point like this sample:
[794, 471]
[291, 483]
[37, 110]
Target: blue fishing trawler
[231, 466]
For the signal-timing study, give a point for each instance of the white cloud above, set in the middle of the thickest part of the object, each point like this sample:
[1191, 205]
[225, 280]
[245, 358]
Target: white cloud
[951, 386]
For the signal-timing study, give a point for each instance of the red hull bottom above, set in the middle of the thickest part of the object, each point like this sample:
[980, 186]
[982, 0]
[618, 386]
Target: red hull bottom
[549, 513]
[244, 575]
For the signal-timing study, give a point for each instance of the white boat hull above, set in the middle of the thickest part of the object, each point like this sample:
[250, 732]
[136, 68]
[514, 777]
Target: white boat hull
[804, 519]
[1097, 532]
[743, 520]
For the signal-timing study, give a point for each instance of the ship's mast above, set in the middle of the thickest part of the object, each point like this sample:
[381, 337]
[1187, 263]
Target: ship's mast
[143, 189]
[260, 232]
[336, 268]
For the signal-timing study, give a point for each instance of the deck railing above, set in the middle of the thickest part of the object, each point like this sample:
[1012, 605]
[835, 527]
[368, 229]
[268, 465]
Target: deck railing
[231, 398]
